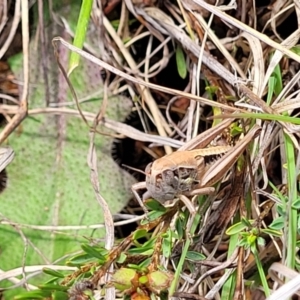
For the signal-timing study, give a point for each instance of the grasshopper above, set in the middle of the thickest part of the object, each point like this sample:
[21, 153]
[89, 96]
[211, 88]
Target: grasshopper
[184, 173]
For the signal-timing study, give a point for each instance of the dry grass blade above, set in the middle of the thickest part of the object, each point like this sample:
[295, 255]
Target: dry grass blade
[247, 29]
[288, 289]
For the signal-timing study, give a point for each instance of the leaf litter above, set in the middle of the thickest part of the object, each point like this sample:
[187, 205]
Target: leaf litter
[243, 58]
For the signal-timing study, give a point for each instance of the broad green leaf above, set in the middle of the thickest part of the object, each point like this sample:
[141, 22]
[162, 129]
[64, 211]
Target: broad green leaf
[277, 224]
[49, 179]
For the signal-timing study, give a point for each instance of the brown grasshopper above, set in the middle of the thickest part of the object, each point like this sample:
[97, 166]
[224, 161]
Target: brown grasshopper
[184, 173]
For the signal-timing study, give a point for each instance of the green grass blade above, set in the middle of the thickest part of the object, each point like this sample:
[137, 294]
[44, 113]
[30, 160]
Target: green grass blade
[271, 117]
[181, 64]
[261, 271]
[229, 286]
[291, 212]
[183, 256]
[82, 25]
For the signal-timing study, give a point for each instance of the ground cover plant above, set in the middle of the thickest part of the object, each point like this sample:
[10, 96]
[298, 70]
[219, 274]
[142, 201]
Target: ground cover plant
[202, 97]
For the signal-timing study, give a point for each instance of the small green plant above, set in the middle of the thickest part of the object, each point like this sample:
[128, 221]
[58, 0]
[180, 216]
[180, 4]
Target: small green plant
[250, 235]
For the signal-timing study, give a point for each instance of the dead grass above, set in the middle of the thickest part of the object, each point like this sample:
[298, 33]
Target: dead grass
[239, 58]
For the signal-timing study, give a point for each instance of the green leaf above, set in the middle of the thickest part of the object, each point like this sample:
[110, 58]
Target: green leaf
[80, 259]
[235, 129]
[271, 88]
[154, 205]
[53, 273]
[145, 263]
[211, 89]
[261, 241]
[153, 215]
[53, 280]
[298, 224]
[58, 295]
[140, 234]
[142, 250]
[246, 222]
[93, 251]
[134, 266]
[277, 224]
[296, 204]
[167, 247]
[296, 49]
[243, 243]
[230, 284]
[181, 64]
[37, 294]
[149, 243]
[49, 179]
[53, 287]
[280, 209]
[272, 232]
[122, 258]
[195, 256]
[179, 228]
[278, 80]
[238, 227]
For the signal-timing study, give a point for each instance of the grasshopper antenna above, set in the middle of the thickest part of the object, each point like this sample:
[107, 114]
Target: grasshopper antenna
[134, 169]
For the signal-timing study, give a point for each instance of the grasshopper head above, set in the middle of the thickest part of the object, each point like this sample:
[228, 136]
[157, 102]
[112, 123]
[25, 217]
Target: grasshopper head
[159, 184]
